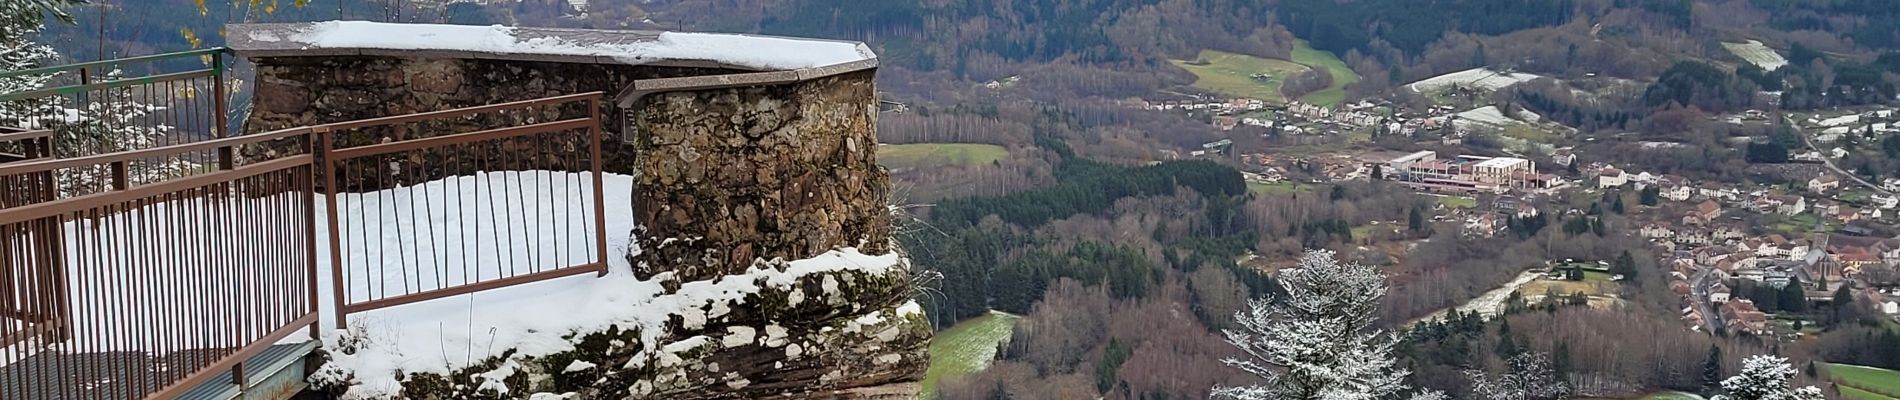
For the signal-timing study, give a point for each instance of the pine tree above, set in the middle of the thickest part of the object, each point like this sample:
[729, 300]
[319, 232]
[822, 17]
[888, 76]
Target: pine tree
[1417, 220]
[1317, 341]
[1712, 368]
[1765, 377]
[1529, 376]
[19, 52]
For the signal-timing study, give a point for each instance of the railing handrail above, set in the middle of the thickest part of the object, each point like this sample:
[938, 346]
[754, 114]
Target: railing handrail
[52, 208]
[130, 155]
[72, 89]
[89, 64]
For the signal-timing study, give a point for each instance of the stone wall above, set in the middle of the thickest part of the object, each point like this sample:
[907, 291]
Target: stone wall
[731, 175]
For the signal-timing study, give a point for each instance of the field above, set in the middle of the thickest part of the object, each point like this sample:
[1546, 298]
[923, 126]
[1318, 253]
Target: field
[966, 348]
[1477, 78]
[1594, 284]
[1874, 383]
[931, 155]
[1231, 74]
[1755, 53]
[1342, 75]
[1672, 396]
[1458, 202]
[1283, 187]
[1856, 394]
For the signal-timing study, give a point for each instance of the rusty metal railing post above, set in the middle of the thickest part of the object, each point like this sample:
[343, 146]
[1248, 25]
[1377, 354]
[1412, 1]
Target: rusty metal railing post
[309, 188]
[600, 197]
[226, 158]
[328, 169]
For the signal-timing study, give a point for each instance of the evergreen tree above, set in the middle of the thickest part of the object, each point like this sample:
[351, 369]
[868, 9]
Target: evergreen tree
[1416, 222]
[1317, 341]
[1765, 377]
[1650, 196]
[1625, 265]
[1712, 368]
[1792, 298]
[1529, 376]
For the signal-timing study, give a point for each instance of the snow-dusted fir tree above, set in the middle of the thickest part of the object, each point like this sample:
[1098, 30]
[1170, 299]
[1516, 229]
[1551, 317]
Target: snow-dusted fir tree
[1765, 377]
[1529, 376]
[19, 52]
[1316, 342]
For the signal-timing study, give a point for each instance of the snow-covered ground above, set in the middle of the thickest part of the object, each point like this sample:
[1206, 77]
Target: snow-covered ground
[745, 50]
[1756, 53]
[1481, 78]
[1488, 115]
[1490, 303]
[1843, 120]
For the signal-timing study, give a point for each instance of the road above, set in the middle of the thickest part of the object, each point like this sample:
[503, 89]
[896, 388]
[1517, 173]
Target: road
[1809, 140]
[1699, 292]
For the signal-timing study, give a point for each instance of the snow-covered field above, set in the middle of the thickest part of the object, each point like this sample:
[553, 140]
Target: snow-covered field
[1489, 115]
[1843, 120]
[1756, 53]
[1490, 303]
[1480, 78]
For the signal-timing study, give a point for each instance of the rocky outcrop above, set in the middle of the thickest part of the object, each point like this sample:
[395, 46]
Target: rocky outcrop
[726, 179]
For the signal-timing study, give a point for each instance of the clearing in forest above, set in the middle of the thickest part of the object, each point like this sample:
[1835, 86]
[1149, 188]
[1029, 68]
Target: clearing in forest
[966, 348]
[1240, 75]
[931, 155]
[1756, 53]
[1342, 75]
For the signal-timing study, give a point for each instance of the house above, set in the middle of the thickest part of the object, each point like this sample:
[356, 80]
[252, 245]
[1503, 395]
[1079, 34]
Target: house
[1838, 152]
[1708, 211]
[1563, 157]
[1846, 214]
[1674, 188]
[1790, 205]
[1884, 201]
[1611, 177]
[1743, 316]
[1657, 231]
[1823, 183]
[1725, 232]
[1720, 294]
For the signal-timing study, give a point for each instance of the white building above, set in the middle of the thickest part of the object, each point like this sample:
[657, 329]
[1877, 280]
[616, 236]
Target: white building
[1612, 177]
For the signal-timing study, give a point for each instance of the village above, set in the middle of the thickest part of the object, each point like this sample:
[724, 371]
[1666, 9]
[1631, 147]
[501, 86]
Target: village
[1736, 254]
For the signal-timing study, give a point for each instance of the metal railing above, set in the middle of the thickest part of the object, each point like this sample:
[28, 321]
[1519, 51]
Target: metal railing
[125, 104]
[391, 245]
[148, 289]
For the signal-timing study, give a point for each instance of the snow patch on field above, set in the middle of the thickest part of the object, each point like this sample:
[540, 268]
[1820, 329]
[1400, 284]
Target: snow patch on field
[1479, 78]
[1488, 115]
[1843, 120]
[1756, 53]
[744, 50]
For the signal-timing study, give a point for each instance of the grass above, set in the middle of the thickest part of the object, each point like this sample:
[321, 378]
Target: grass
[1282, 187]
[931, 155]
[966, 348]
[1672, 396]
[1305, 54]
[1231, 74]
[1867, 379]
[1857, 394]
[1458, 202]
